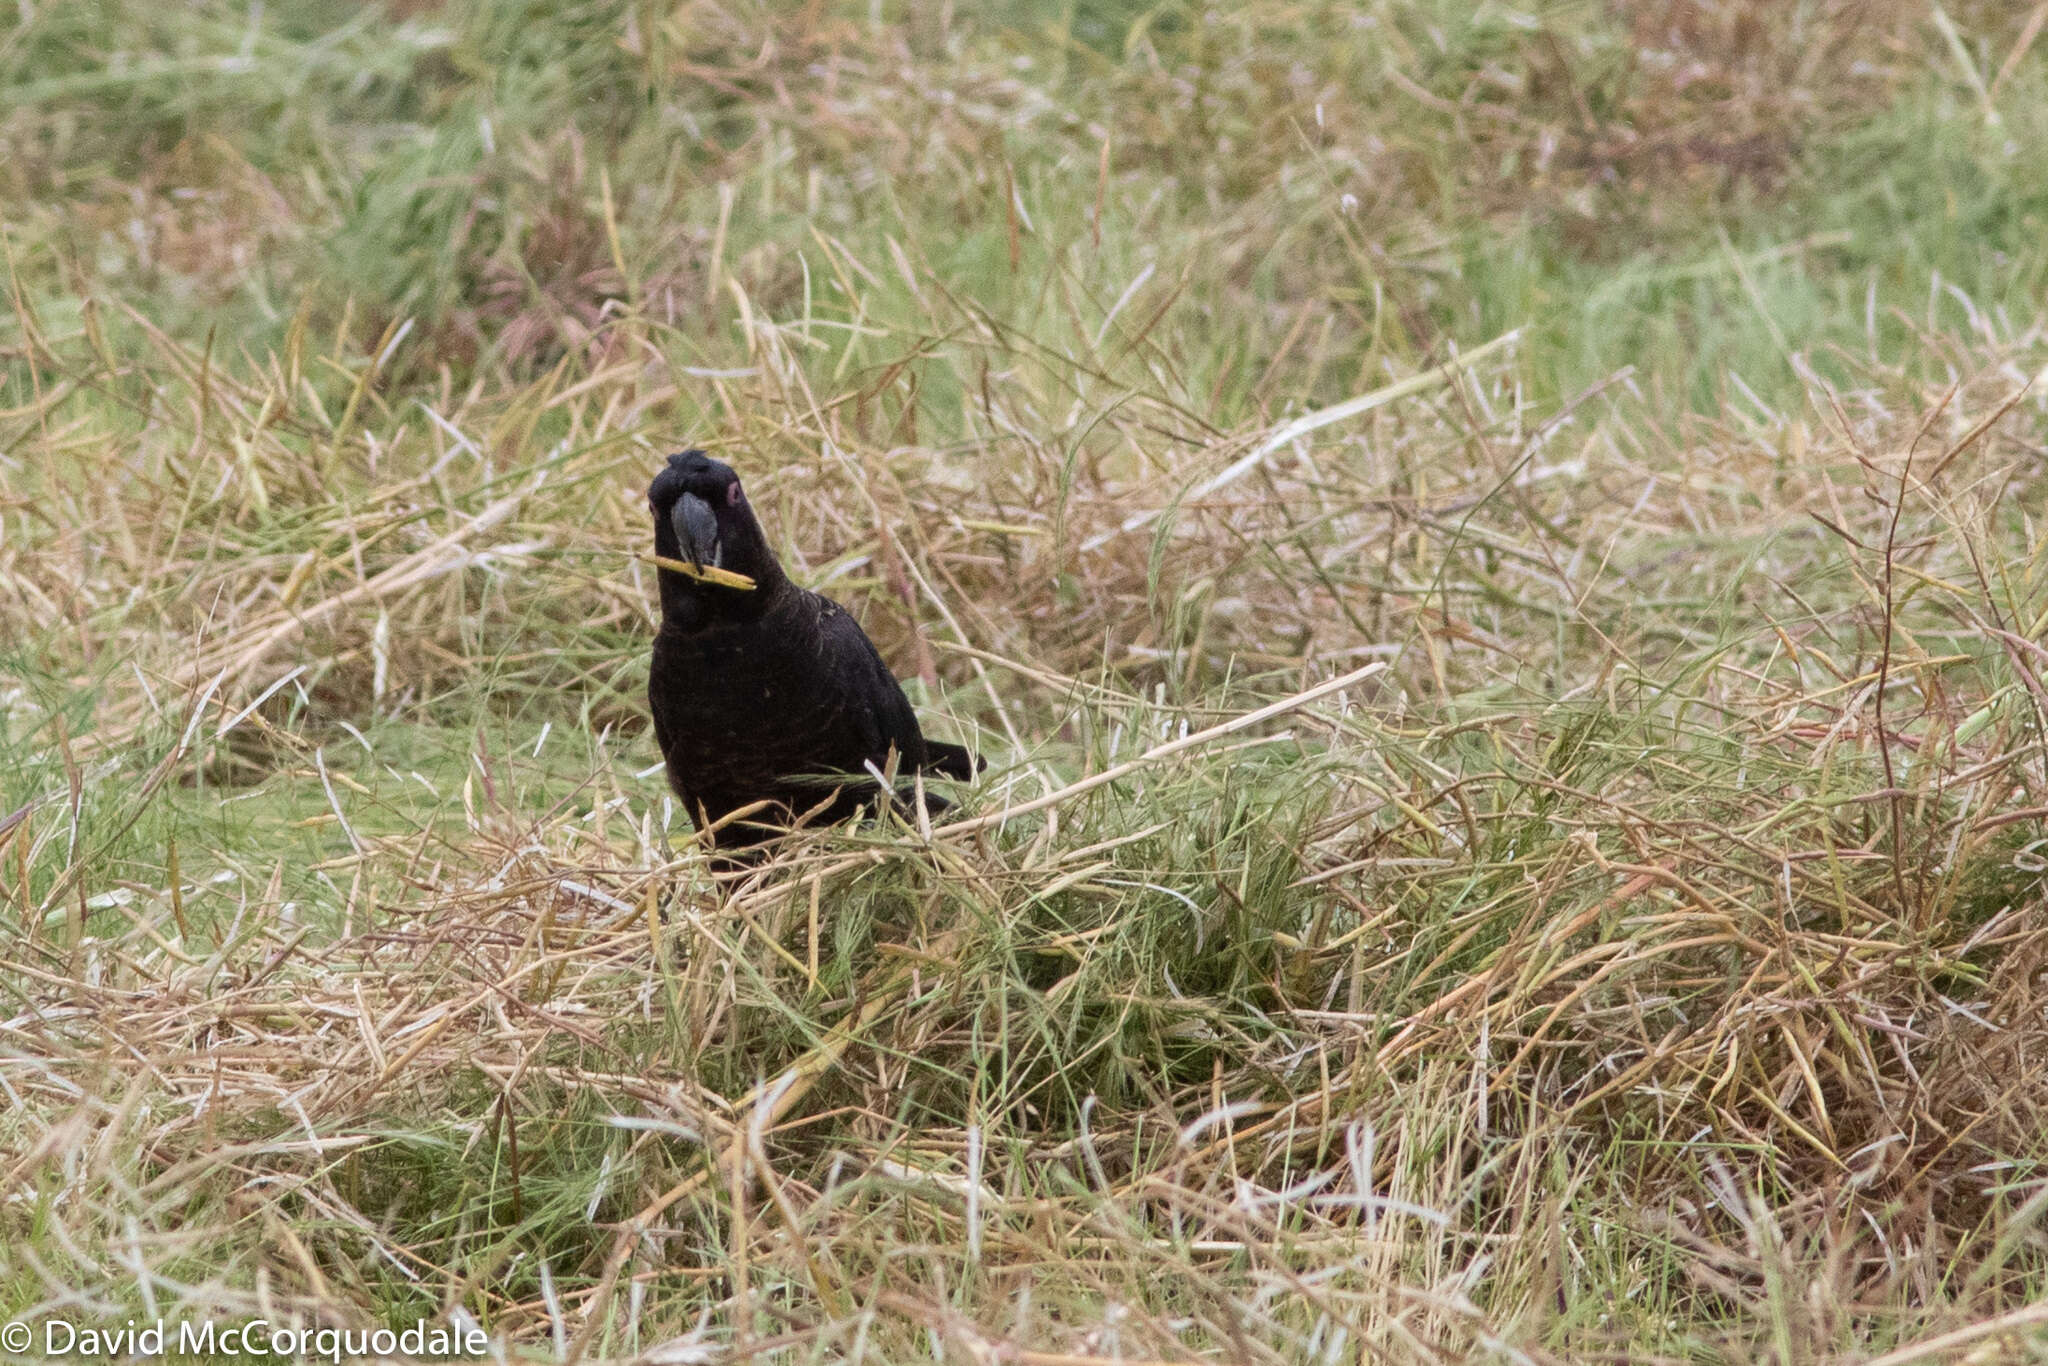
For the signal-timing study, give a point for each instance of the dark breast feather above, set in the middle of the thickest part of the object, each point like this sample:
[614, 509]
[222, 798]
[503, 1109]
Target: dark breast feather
[750, 710]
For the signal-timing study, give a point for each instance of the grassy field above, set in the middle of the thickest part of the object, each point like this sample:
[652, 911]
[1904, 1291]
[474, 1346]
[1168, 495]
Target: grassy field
[1493, 552]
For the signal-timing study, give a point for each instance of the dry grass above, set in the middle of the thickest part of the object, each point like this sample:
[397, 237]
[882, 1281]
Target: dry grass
[1497, 871]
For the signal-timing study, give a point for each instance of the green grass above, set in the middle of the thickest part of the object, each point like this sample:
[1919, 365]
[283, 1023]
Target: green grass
[1643, 963]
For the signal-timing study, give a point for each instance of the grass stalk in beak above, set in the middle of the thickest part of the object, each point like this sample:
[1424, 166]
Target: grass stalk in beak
[725, 578]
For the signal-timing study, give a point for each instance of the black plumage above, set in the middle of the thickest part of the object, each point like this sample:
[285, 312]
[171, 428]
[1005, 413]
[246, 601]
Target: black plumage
[766, 694]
